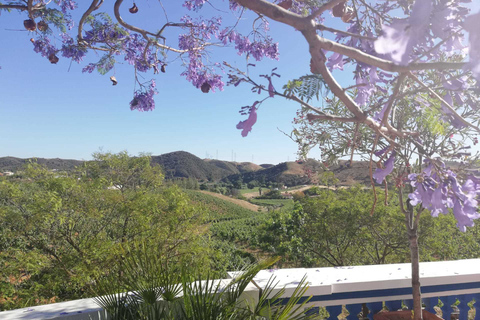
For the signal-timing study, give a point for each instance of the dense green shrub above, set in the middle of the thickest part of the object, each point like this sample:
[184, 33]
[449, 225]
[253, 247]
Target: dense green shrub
[58, 232]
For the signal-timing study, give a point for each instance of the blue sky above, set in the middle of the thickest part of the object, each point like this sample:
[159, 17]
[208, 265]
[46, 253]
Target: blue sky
[56, 111]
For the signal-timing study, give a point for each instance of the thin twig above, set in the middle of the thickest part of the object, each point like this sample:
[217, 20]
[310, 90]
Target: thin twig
[144, 33]
[321, 27]
[446, 104]
[371, 176]
[357, 126]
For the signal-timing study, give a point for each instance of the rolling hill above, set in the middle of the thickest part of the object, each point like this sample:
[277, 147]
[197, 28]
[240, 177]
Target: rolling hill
[181, 164]
[15, 164]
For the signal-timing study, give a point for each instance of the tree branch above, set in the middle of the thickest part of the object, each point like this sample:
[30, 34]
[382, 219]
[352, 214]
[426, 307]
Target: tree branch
[303, 103]
[14, 6]
[391, 100]
[312, 117]
[446, 104]
[319, 62]
[323, 8]
[308, 28]
[93, 6]
[321, 27]
[383, 64]
[277, 13]
[144, 33]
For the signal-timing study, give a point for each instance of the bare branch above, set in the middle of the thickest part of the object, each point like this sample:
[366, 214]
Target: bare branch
[277, 13]
[171, 24]
[303, 103]
[321, 27]
[308, 28]
[14, 6]
[446, 104]
[29, 9]
[312, 117]
[391, 100]
[144, 33]
[383, 64]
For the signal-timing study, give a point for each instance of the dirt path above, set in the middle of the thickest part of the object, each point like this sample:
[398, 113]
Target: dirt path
[242, 203]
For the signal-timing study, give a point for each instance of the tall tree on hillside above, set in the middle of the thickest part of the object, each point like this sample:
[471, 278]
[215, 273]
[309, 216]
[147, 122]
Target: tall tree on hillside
[412, 102]
[60, 232]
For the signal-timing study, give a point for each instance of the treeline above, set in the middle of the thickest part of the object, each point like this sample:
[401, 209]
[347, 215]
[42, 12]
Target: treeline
[60, 231]
[336, 228]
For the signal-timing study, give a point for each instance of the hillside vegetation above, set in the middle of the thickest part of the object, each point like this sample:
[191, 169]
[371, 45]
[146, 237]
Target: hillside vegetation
[219, 209]
[184, 165]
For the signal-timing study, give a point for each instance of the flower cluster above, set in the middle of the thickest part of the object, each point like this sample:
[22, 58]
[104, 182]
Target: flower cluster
[243, 45]
[143, 99]
[428, 20]
[66, 5]
[89, 68]
[71, 50]
[105, 33]
[43, 46]
[438, 190]
[194, 4]
[134, 53]
[197, 72]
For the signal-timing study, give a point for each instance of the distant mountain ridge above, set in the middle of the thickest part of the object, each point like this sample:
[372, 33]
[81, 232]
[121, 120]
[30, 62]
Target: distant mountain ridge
[182, 164]
[15, 164]
[178, 164]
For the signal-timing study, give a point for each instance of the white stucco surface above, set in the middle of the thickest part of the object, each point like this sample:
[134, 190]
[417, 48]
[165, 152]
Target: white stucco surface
[322, 282]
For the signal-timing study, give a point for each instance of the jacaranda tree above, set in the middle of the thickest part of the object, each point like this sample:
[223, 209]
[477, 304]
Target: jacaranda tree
[412, 103]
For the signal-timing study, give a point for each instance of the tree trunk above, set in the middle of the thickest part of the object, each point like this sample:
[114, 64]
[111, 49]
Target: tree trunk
[417, 295]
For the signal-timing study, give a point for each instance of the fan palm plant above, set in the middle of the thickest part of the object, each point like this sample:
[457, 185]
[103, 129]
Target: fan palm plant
[145, 288]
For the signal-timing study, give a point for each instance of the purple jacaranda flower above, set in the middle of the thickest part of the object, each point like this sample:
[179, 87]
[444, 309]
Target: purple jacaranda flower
[438, 203]
[472, 26]
[271, 89]
[379, 153]
[234, 5]
[194, 5]
[44, 47]
[71, 50]
[257, 49]
[449, 115]
[438, 189]
[399, 38]
[380, 174]
[365, 88]
[143, 100]
[374, 75]
[335, 61]
[66, 5]
[89, 68]
[246, 125]
[465, 212]
[446, 24]
[456, 84]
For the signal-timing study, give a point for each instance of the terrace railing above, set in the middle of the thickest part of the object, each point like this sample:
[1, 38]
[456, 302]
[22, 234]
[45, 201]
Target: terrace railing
[449, 287]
